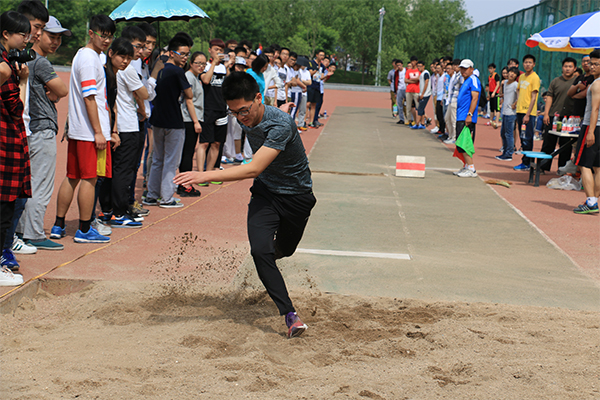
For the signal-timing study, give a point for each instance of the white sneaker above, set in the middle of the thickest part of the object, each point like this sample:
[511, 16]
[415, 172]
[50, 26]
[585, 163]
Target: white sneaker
[20, 247]
[102, 229]
[435, 130]
[449, 141]
[467, 173]
[7, 278]
[459, 171]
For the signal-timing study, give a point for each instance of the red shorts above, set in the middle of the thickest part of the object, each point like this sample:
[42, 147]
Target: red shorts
[82, 160]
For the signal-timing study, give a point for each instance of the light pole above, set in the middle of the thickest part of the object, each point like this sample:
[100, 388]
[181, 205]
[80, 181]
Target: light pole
[378, 72]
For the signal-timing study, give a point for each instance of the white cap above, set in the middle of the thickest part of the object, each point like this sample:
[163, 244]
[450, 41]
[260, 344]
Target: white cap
[466, 63]
[53, 26]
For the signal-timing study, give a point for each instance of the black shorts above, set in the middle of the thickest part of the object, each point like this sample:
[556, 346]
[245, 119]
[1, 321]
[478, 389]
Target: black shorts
[494, 104]
[314, 95]
[588, 157]
[459, 127]
[210, 131]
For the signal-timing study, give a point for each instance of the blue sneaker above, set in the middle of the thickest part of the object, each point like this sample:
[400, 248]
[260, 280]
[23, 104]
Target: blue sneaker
[91, 236]
[421, 127]
[415, 127]
[521, 167]
[8, 260]
[57, 232]
[585, 208]
[124, 221]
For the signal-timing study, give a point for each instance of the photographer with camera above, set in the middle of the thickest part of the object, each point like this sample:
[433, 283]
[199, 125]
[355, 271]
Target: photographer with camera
[15, 176]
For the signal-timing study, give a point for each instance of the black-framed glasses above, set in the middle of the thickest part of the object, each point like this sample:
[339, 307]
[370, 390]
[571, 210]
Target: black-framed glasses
[184, 55]
[199, 63]
[240, 113]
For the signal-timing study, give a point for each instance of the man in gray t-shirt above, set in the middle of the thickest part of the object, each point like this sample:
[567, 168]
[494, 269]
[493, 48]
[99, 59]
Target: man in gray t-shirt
[282, 197]
[45, 89]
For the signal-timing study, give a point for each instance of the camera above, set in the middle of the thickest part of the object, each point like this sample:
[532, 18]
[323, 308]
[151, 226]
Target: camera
[21, 56]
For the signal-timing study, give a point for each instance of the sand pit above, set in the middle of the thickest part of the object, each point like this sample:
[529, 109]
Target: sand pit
[115, 340]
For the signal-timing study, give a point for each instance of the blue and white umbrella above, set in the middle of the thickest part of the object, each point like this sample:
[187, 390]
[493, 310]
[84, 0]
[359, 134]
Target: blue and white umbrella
[578, 34]
[157, 10]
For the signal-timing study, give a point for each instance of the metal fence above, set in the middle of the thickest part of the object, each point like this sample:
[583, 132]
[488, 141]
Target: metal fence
[504, 38]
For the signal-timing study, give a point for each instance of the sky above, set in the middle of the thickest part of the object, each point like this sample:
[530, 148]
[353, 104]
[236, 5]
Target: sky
[484, 11]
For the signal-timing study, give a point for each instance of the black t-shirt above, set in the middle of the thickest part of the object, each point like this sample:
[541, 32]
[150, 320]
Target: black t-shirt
[167, 109]
[213, 94]
[579, 104]
[313, 66]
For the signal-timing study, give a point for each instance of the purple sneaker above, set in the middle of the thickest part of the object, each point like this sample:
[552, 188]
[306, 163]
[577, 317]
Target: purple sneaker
[295, 325]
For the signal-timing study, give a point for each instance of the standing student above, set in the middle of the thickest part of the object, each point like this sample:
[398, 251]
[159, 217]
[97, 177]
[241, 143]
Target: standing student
[168, 126]
[529, 86]
[400, 85]
[493, 88]
[466, 113]
[214, 127]
[89, 132]
[392, 83]
[197, 64]
[424, 95]
[509, 115]
[587, 153]
[15, 175]
[45, 89]
[130, 89]
[412, 88]
[282, 197]
[314, 89]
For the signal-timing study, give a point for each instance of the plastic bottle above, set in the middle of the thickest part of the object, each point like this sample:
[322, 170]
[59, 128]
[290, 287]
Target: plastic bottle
[564, 124]
[570, 124]
[325, 113]
[555, 122]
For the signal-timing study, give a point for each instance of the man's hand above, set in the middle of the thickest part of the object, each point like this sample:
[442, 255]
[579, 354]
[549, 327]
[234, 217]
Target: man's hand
[468, 120]
[526, 119]
[546, 119]
[51, 96]
[197, 127]
[115, 140]
[214, 54]
[100, 141]
[287, 107]
[420, 97]
[591, 138]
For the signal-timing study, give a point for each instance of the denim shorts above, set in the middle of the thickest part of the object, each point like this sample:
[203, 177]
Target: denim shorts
[422, 104]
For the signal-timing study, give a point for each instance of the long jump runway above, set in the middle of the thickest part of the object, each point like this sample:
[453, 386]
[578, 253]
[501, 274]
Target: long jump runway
[437, 238]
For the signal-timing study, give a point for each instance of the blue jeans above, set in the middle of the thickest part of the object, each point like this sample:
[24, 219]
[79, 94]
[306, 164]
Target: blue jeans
[507, 134]
[526, 136]
[539, 123]
[10, 233]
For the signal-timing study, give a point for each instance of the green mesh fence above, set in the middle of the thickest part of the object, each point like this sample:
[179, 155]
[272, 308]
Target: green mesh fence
[504, 38]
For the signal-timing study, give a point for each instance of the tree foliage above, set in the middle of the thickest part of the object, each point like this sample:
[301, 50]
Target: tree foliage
[347, 28]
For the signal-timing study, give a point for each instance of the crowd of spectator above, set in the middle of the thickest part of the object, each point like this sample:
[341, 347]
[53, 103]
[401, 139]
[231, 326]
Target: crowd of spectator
[512, 103]
[130, 105]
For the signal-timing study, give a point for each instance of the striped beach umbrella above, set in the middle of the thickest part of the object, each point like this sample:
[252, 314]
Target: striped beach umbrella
[578, 34]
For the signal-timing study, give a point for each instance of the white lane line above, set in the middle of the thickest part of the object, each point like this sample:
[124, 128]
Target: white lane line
[368, 254]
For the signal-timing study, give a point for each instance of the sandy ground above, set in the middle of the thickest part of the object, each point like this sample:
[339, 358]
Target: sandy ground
[127, 340]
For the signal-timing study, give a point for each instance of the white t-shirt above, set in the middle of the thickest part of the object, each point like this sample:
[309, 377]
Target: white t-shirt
[293, 73]
[282, 79]
[304, 74]
[401, 77]
[142, 70]
[128, 81]
[87, 79]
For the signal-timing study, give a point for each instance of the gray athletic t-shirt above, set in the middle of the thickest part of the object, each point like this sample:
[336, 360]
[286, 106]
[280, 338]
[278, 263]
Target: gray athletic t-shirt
[289, 172]
[41, 110]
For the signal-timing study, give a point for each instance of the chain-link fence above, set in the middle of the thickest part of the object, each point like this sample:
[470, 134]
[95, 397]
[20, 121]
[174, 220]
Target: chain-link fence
[504, 38]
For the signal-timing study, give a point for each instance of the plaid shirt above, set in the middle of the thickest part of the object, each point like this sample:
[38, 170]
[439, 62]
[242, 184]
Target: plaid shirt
[15, 175]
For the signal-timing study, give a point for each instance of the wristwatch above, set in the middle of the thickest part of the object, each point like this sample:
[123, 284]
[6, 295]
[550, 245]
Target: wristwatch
[470, 114]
